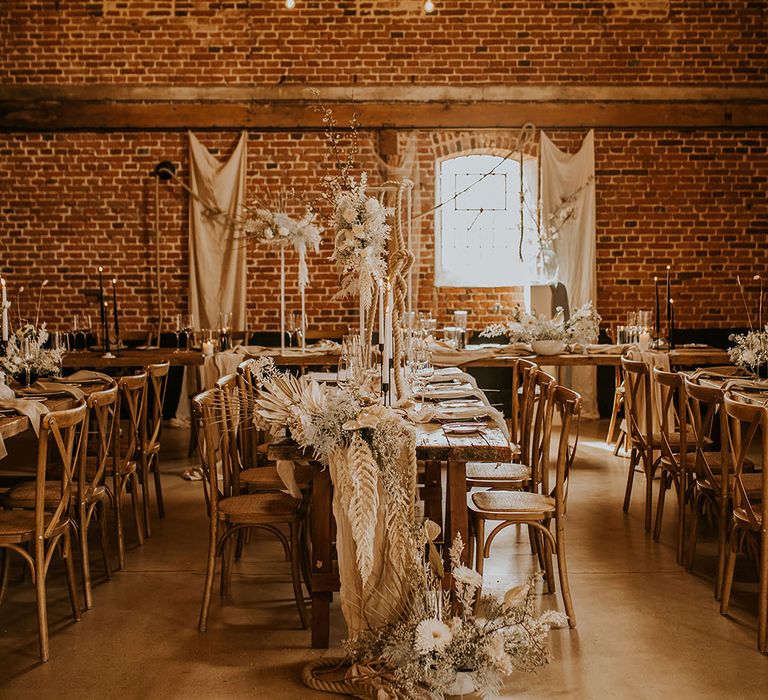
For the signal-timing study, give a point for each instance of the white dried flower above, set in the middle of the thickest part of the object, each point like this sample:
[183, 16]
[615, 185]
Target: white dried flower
[432, 635]
[467, 576]
[349, 215]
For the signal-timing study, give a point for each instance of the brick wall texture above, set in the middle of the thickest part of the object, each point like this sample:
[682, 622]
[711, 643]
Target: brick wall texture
[70, 201]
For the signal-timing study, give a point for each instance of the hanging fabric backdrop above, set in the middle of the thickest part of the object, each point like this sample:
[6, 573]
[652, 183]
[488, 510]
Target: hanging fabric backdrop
[217, 259]
[563, 174]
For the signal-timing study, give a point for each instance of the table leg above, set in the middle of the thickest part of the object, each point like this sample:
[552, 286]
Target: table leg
[457, 518]
[320, 532]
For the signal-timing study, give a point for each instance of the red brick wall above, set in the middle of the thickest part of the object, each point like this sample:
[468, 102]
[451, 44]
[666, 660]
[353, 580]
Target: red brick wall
[72, 201]
[330, 42]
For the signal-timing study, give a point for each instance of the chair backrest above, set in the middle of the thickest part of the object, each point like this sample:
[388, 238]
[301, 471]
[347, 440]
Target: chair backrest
[157, 376]
[232, 417]
[638, 402]
[102, 420]
[673, 416]
[131, 402]
[566, 405]
[213, 447]
[746, 421]
[705, 406]
[250, 436]
[535, 439]
[520, 370]
[62, 436]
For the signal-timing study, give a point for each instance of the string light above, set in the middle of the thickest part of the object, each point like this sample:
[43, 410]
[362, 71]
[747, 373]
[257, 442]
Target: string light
[429, 6]
[290, 4]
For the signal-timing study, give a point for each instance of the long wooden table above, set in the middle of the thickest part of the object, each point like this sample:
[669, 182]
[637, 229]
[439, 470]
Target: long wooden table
[131, 358]
[434, 447]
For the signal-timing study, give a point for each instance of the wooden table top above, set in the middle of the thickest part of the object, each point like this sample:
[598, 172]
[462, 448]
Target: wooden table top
[132, 358]
[17, 424]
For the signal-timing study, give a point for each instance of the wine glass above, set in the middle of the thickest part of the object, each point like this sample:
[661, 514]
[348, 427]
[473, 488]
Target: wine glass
[87, 328]
[178, 329]
[76, 326]
[26, 354]
[188, 322]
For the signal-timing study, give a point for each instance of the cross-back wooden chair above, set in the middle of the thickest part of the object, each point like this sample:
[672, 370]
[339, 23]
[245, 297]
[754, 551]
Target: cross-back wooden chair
[152, 422]
[712, 469]
[92, 496]
[748, 425]
[517, 473]
[37, 534]
[639, 419]
[89, 495]
[127, 455]
[230, 513]
[675, 462]
[538, 510]
[257, 472]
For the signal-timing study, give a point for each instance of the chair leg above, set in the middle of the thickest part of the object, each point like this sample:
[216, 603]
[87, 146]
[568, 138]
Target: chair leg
[101, 511]
[762, 607]
[663, 487]
[85, 559]
[682, 490]
[298, 593]
[614, 420]
[546, 550]
[42, 610]
[649, 471]
[730, 565]
[722, 545]
[210, 575]
[4, 573]
[480, 538]
[144, 466]
[697, 503]
[136, 509]
[630, 478]
[71, 576]
[117, 504]
[562, 569]
[158, 487]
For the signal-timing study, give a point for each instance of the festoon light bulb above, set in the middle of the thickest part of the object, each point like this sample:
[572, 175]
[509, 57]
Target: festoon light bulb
[429, 6]
[290, 4]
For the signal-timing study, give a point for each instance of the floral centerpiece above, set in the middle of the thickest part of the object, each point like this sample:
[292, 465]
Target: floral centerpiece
[750, 350]
[582, 327]
[272, 226]
[25, 353]
[406, 640]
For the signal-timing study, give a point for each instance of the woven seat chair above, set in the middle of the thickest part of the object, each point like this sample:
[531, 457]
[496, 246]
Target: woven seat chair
[645, 442]
[36, 534]
[515, 474]
[713, 483]
[538, 510]
[258, 473]
[749, 522]
[675, 462]
[89, 494]
[126, 456]
[151, 426]
[230, 513]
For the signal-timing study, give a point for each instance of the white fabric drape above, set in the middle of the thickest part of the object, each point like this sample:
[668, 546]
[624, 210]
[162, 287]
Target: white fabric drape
[563, 174]
[217, 259]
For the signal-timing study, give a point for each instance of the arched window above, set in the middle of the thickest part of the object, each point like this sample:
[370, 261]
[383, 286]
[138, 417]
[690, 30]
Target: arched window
[477, 236]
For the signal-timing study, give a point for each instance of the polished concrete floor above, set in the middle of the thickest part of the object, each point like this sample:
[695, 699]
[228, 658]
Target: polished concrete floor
[646, 628]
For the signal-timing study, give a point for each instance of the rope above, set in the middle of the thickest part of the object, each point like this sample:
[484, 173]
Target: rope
[311, 677]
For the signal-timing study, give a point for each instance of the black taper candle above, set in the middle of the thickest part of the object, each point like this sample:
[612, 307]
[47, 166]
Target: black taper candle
[106, 328]
[657, 324]
[102, 311]
[114, 310]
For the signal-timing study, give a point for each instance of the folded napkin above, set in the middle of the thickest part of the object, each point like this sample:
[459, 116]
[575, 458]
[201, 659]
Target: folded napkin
[256, 350]
[606, 349]
[34, 410]
[50, 387]
[324, 345]
[86, 374]
[425, 413]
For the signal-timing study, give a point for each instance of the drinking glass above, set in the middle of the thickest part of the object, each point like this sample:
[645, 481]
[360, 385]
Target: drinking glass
[178, 321]
[189, 326]
[87, 329]
[344, 371]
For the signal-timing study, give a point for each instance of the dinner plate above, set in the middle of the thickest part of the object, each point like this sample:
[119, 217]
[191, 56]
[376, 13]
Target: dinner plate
[77, 382]
[462, 429]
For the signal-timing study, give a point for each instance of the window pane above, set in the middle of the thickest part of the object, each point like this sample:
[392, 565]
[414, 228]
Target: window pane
[478, 228]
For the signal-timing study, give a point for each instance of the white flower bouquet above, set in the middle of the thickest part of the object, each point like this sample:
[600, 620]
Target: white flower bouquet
[360, 246]
[437, 649]
[750, 350]
[582, 327]
[25, 351]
